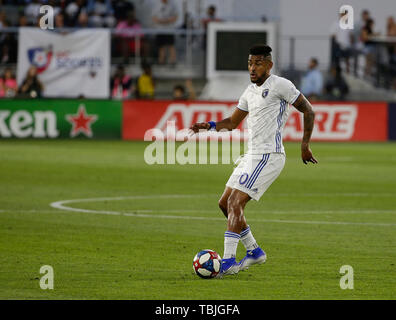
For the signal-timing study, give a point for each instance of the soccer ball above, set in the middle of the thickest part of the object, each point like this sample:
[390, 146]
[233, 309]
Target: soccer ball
[207, 264]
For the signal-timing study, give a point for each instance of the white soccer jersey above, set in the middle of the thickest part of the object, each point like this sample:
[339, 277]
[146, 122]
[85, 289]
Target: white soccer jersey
[268, 107]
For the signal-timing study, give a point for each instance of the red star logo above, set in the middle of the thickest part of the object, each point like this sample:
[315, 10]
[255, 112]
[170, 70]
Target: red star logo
[81, 122]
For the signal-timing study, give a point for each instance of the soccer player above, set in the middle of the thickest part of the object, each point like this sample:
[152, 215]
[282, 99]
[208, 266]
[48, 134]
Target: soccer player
[266, 101]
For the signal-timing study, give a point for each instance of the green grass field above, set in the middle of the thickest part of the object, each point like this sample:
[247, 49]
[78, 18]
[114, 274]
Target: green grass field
[138, 242]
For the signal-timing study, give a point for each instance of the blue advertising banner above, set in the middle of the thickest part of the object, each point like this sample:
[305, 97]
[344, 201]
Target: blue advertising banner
[392, 121]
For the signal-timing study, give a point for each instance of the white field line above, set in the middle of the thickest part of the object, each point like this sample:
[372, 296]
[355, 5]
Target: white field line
[365, 211]
[146, 213]
[138, 211]
[61, 205]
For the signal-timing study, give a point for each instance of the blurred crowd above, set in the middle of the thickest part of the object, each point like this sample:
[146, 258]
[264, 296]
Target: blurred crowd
[31, 86]
[128, 40]
[353, 51]
[123, 86]
[73, 13]
[120, 15]
[356, 51]
[349, 46]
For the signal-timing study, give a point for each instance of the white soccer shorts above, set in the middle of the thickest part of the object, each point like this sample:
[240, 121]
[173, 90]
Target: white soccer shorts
[255, 173]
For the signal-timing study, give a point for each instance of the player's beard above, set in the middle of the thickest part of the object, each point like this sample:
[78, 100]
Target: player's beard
[257, 79]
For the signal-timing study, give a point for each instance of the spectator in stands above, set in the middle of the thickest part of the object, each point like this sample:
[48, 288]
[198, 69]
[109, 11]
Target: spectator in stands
[59, 21]
[312, 82]
[8, 43]
[32, 11]
[121, 84]
[210, 17]
[358, 44]
[101, 13]
[73, 11]
[179, 91]
[145, 85]
[364, 17]
[341, 44]
[336, 86]
[83, 20]
[369, 49]
[391, 27]
[3, 20]
[31, 85]
[121, 9]
[165, 15]
[8, 85]
[23, 21]
[128, 30]
[391, 32]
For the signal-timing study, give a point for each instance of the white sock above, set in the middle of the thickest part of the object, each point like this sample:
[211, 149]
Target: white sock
[231, 240]
[248, 240]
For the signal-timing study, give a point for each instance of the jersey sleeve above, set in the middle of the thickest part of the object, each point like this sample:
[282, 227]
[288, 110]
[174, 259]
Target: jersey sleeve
[287, 91]
[243, 104]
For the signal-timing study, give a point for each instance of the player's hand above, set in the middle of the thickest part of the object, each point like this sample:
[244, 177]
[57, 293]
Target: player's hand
[306, 154]
[200, 125]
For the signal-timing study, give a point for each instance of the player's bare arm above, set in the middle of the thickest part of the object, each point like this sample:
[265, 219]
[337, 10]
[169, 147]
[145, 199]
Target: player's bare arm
[229, 123]
[304, 106]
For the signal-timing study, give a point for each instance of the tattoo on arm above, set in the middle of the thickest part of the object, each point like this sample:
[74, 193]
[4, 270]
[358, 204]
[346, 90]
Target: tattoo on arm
[304, 106]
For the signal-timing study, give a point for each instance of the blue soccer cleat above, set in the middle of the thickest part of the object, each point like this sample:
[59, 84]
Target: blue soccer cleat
[255, 256]
[228, 267]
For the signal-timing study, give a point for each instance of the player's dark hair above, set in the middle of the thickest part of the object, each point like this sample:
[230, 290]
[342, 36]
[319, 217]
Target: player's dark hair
[260, 49]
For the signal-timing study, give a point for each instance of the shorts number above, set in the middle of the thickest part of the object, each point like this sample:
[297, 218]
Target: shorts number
[244, 177]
